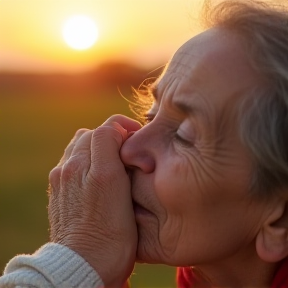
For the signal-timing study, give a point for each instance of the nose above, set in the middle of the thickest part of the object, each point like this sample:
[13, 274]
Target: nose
[137, 153]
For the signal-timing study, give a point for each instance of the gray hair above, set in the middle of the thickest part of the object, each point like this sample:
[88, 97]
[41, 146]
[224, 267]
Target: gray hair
[263, 118]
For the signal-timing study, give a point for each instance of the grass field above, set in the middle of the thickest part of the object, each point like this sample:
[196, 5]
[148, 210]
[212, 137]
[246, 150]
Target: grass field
[36, 126]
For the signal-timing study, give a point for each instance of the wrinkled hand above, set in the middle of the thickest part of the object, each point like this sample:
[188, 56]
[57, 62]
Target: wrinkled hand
[90, 206]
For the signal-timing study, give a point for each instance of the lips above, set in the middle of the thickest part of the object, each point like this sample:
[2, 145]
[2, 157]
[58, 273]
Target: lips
[137, 205]
[139, 209]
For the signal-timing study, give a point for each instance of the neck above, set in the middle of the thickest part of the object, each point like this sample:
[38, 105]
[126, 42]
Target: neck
[240, 273]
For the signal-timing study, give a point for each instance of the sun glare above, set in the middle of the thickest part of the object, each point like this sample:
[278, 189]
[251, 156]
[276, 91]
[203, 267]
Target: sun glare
[80, 32]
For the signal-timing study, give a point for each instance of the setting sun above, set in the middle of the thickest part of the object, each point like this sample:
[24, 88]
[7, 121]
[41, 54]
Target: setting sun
[80, 32]
[80, 35]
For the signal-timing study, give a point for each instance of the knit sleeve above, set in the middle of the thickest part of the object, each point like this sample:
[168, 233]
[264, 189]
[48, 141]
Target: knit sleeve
[53, 265]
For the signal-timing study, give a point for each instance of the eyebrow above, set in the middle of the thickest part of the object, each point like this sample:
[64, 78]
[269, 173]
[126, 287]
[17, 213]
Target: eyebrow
[187, 108]
[184, 107]
[153, 90]
[192, 109]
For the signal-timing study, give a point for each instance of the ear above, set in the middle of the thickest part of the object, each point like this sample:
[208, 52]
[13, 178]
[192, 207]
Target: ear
[272, 239]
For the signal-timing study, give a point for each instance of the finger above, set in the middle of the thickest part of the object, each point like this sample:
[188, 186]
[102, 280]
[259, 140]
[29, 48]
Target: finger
[127, 123]
[82, 145]
[70, 147]
[79, 162]
[71, 169]
[55, 173]
[106, 143]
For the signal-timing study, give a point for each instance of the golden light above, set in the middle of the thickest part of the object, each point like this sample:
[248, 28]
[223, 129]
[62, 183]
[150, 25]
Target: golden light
[80, 32]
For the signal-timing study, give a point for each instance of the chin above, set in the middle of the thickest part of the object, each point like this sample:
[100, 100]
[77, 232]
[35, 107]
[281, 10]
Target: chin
[147, 251]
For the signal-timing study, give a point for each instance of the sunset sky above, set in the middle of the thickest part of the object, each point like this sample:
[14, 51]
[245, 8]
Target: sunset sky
[144, 32]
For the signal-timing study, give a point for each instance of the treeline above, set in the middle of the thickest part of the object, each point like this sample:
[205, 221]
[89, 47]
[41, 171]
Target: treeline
[112, 76]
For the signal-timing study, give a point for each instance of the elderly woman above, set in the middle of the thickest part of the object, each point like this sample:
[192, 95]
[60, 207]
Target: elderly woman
[202, 186]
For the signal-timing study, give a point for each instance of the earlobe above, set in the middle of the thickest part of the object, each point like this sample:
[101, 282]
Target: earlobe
[272, 239]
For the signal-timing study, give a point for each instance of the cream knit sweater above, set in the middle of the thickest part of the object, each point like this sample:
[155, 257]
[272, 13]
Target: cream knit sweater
[52, 266]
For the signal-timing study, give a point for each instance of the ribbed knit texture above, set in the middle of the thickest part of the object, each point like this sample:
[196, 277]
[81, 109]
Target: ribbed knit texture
[56, 266]
[53, 265]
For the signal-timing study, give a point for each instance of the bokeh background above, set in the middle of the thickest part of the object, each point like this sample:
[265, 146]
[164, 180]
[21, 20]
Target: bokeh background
[49, 90]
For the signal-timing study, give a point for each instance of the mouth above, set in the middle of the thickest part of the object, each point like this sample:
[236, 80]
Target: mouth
[129, 174]
[139, 210]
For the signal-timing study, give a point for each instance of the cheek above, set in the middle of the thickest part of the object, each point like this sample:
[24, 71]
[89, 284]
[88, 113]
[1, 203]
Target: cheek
[175, 183]
[173, 187]
[207, 216]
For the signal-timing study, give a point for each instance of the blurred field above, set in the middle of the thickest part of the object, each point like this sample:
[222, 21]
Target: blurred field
[36, 125]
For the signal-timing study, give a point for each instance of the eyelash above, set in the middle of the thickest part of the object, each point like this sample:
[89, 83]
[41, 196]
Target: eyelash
[182, 141]
[149, 118]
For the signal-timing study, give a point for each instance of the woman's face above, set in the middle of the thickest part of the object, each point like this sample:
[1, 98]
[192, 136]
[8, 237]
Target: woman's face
[190, 171]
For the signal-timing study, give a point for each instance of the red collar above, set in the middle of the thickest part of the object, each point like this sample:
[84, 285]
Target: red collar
[281, 278]
[186, 279]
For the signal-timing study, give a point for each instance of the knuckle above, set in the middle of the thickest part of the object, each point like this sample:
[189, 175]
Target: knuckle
[66, 150]
[101, 130]
[114, 118]
[69, 168]
[75, 168]
[54, 176]
[80, 132]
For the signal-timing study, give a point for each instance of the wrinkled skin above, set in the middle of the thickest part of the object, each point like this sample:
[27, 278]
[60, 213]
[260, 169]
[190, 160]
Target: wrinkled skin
[190, 171]
[190, 177]
[90, 207]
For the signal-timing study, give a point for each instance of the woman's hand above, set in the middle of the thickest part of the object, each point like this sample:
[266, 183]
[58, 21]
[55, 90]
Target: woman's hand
[90, 206]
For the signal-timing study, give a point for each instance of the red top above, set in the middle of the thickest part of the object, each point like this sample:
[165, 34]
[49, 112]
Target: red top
[186, 279]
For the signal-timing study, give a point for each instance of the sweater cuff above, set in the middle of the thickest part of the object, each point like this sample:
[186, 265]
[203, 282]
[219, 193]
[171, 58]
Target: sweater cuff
[61, 266]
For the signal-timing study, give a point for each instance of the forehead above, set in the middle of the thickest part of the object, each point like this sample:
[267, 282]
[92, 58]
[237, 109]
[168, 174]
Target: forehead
[211, 66]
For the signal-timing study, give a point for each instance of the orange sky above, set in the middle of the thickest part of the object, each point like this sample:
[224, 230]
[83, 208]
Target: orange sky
[145, 32]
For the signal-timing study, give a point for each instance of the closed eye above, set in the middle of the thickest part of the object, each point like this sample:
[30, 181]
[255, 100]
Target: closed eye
[148, 117]
[183, 141]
